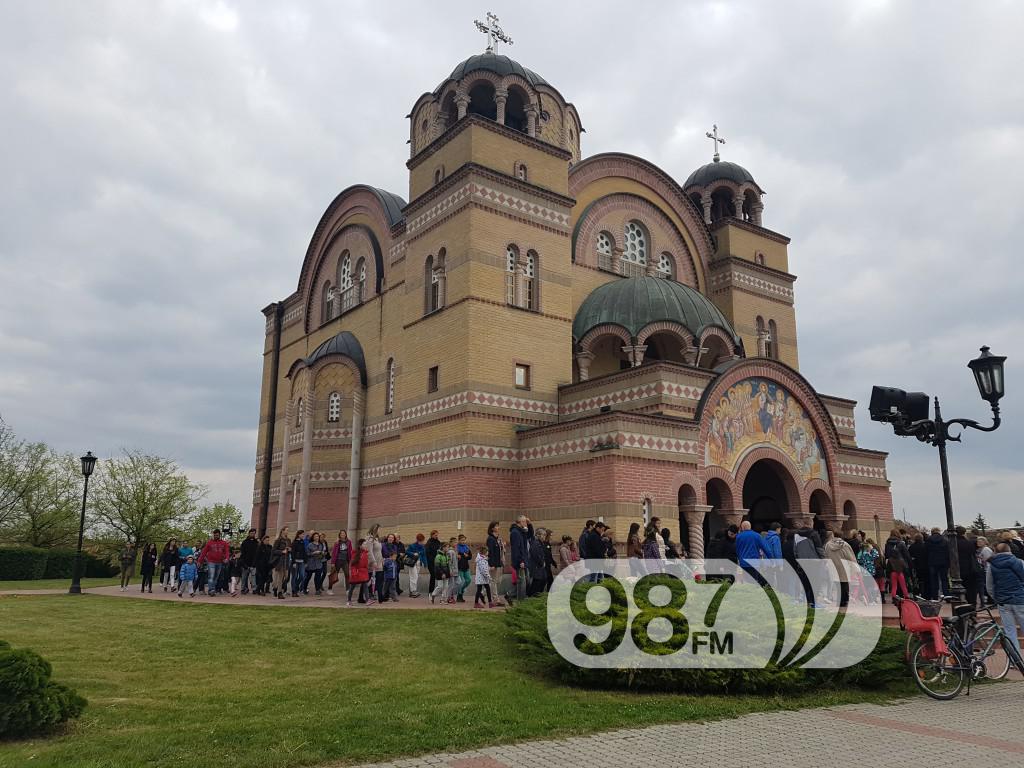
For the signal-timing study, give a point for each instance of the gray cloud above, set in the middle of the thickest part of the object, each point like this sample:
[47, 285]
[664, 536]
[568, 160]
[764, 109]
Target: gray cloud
[165, 164]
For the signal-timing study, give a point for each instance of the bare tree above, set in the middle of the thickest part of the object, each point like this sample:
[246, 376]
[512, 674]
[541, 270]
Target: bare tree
[142, 497]
[21, 466]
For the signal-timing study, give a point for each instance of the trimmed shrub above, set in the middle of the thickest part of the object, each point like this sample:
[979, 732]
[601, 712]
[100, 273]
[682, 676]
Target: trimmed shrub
[527, 622]
[60, 564]
[22, 563]
[31, 703]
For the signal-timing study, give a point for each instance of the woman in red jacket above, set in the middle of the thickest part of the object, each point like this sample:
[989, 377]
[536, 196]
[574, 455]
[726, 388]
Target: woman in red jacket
[358, 572]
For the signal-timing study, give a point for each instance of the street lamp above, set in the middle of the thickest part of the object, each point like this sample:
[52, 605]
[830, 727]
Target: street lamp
[88, 465]
[227, 530]
[908, 414]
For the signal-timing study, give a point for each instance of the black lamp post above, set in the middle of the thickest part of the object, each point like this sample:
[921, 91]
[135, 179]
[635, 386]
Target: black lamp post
[88, 465]
[227, 530]
[908, 414]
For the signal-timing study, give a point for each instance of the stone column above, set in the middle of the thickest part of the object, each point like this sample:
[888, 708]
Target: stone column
[732, 516]
[531, 121]
[462, 102]
[500, 97]
[705, 202]
[833, 522]
[583, 361]
[442, 287]
[635, 353]
[616, 258]
[307, 452]
[519, 280]
[356, 464]
[757, 209]
[282, 494]
[737, 201]
[762, 343]
[694, 515]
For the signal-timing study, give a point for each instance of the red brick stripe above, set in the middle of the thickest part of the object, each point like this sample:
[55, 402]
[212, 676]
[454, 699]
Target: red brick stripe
[1016, 748]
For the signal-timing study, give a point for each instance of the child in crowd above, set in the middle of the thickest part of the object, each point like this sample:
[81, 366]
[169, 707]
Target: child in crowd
[442, 574]
[187, 575]
[358, 573]
[483, 579]
[391, 577]
[452, 551]
[235, 571]
[464, 555]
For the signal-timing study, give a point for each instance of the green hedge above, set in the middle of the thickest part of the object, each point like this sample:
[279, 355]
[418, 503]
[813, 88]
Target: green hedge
[883, 669]
[27, 563]
[30, 703]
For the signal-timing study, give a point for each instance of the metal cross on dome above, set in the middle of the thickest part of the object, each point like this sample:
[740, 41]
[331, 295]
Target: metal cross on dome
[715, 138]
[493, 31]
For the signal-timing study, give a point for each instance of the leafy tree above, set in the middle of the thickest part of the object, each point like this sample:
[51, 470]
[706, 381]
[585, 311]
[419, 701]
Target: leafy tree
[980, 524]
[142, 497]
[21, 465]
[49, 510]
[200, 526]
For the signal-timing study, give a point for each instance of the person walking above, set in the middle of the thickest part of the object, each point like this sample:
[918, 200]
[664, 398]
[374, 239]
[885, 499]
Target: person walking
[341, 556]
[390, 576]
[938, 565]
[298, 563]
[897, 563]
[970, 570]
[316, 562]
[495, 562]
[463, 556]
[358, 573]
[375, 562]
[433, 546]
[127, 558]
[983, 555]
[565, 553]
[169, 563]
[919, 566]
[280, 563]
[147, 567]
[416, 560]
[247, 561]
[264, 558]
[537, 565]
[519, 536]
[750, 546]
[215, 554]
[483, 578]
[1006, 585]
[187, 576]
[442, 573]
[840, 552]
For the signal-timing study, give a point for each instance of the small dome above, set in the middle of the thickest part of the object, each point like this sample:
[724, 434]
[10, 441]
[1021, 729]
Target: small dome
[718, 171]
[343, 344]
[636, 302]
[499, 65]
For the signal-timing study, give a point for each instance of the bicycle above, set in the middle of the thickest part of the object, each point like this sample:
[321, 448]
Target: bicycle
[948, 652]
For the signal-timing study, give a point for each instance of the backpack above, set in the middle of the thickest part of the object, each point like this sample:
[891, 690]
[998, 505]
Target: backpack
[441, 566]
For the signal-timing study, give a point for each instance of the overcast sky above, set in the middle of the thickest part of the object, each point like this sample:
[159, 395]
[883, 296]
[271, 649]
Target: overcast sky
[164, 165]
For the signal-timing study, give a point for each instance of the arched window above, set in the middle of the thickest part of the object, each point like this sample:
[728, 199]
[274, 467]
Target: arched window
[759, 258]
[481, 101]
[439, 175]
[389, 391]
[511, 257]
[327, 305]
[428, 281]
[334, 407]
[360, 281]
[667, 266]
[298, 415]
[604, 250]
[531, 273]
[520, 171]
[348, 297]
[515, 110]
[634, 254]
[645, 510]
[773, 340]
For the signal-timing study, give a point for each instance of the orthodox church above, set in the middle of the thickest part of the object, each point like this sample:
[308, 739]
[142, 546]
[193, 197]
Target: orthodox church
[540, 332]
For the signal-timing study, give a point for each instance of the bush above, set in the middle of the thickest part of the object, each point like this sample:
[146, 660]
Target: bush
[31, 703]
[528, 624]
[60, 564]
[22, 563]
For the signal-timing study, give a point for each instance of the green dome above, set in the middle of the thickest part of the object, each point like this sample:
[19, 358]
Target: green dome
[636, 302]
[717, 171]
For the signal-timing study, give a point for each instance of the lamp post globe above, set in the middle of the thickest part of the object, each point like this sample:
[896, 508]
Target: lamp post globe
[88, 465]
[988, 375]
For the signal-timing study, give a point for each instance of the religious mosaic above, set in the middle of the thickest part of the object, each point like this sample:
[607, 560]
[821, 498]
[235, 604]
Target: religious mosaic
[757, 412]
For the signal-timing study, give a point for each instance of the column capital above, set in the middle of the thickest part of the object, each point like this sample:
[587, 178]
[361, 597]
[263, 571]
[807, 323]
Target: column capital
[733, 516]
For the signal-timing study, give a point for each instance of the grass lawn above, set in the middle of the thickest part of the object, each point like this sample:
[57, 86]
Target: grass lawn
[173, 684]
[110, 581]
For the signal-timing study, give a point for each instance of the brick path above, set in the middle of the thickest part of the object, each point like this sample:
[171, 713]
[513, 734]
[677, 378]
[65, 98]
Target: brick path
[983, 729]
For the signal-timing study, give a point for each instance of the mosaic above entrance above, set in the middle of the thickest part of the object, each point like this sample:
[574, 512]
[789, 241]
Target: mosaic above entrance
[757, 412]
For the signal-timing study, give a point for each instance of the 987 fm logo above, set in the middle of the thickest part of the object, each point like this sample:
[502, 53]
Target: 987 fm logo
[713, 614]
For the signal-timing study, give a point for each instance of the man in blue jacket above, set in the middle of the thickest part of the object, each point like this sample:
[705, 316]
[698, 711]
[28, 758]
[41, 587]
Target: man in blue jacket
[772, 542]
[750, 545]
[519, 535]
[1005, 580]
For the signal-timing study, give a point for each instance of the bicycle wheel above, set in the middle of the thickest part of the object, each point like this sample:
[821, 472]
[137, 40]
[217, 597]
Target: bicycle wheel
[913, 643]
[941, 677]
[997, 662]
[1012, 656]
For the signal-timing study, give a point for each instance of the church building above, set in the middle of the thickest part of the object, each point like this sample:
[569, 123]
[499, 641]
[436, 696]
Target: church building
[540, 332]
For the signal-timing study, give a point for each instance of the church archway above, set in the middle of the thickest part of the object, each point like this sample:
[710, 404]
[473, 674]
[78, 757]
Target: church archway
[515, 110]
[719, 497]
[768, 493]
[821, 508]
[481, 101]
[687, 500]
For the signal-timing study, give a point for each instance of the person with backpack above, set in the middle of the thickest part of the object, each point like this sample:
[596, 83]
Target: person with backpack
[433, 546]
[358, 573]
[442, 575]
[463, 556]
[1006, 585]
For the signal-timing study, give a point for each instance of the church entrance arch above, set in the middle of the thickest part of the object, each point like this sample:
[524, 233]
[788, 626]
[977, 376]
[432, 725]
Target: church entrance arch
[719, 497]
[687, 500]
[765, 495]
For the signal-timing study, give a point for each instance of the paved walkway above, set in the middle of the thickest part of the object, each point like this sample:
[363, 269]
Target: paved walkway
[982, 729]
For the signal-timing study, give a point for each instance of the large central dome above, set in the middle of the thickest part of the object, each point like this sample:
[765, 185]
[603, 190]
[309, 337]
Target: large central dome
[636, 302]
[499, 65]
